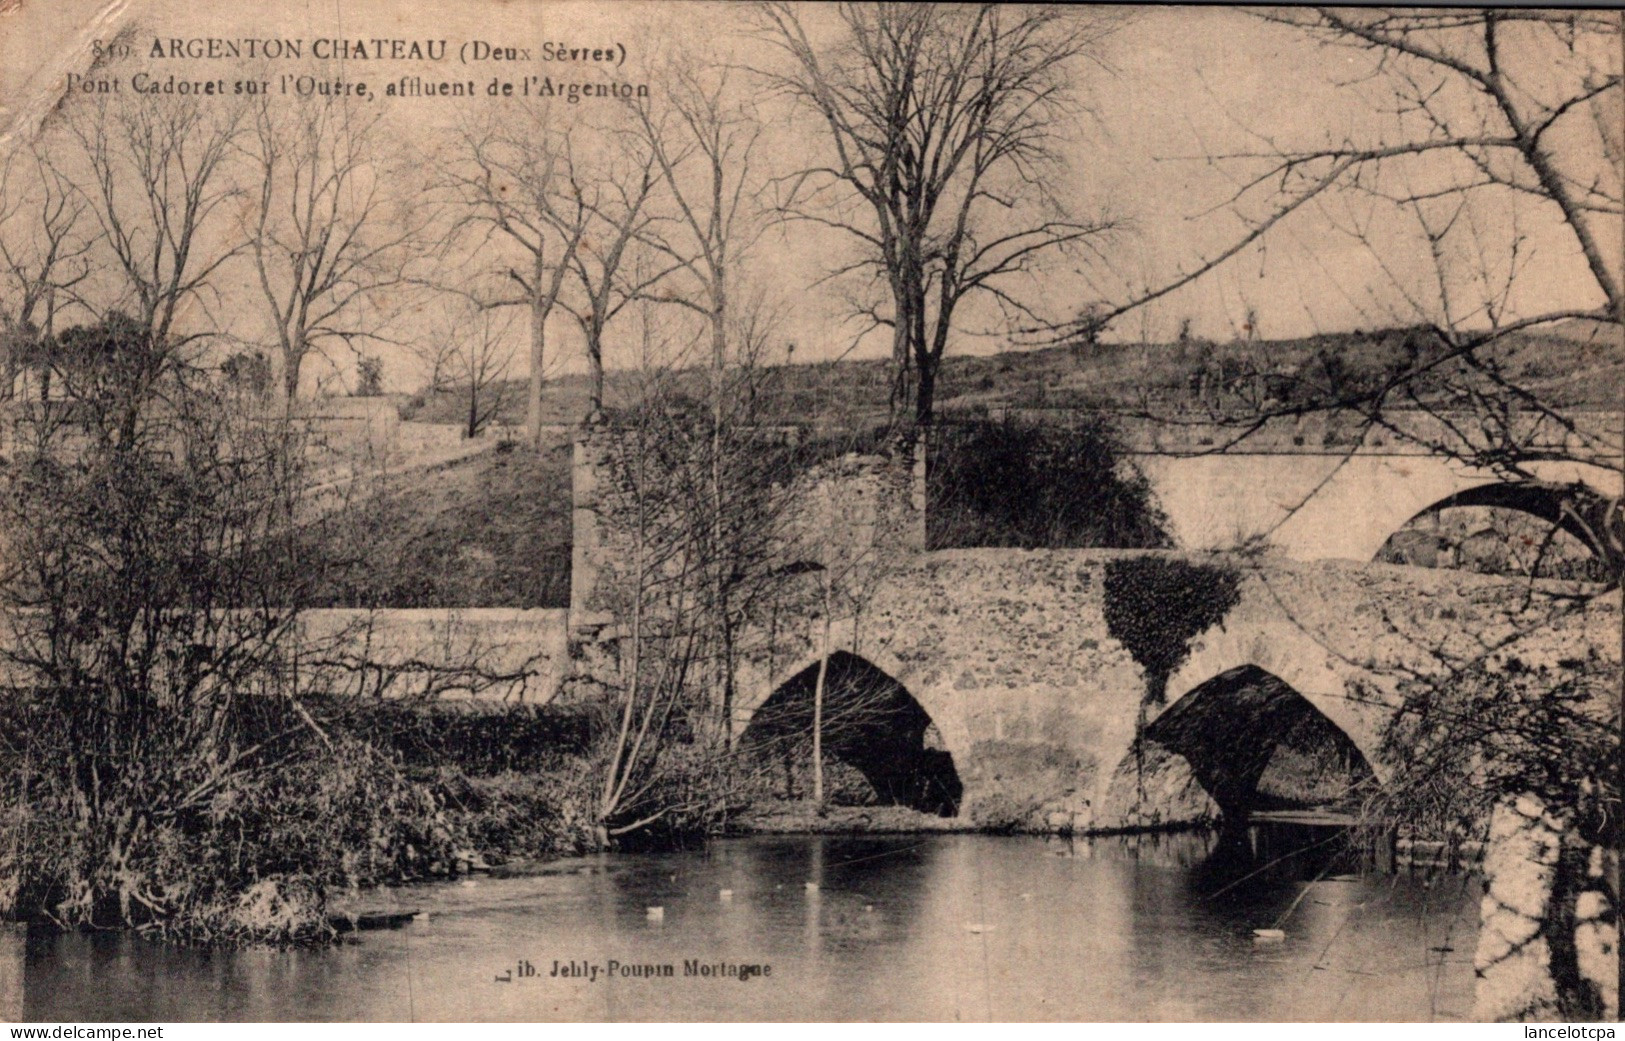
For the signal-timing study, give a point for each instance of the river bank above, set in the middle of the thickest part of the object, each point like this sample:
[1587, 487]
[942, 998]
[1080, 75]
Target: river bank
[807, 818]
[389, 794]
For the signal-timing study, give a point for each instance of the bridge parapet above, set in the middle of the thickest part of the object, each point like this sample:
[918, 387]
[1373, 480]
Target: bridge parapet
[1335, 505]
[1583, 435]
[501, 654]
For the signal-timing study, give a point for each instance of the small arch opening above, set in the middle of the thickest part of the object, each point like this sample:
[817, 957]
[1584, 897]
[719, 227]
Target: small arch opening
[1513, 530]
[1242, 744]
[880, 746]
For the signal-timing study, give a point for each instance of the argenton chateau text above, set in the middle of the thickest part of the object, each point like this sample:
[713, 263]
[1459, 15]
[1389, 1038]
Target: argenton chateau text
[273, 47]
[366, 48]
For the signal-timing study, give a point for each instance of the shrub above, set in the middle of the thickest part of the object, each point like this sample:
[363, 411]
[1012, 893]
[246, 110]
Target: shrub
[373, 798]
[518, 815]
[478, 738]
[228, 854]
[1010, 483]
[1004, 812]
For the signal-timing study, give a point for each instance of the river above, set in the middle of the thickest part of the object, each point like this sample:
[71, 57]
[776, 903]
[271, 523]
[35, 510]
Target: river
[938, 927]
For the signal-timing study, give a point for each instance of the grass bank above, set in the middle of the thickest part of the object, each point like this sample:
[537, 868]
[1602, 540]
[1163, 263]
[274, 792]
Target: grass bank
[489, 531]
[322, 798]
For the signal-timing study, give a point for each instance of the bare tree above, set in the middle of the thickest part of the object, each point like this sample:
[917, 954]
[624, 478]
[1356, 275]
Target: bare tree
[1501, 126]
[615, 196]
[684, 581]
[156, 179]
[141, 623]
[515, 179]
[325, 233]
[703, 137]
[43, 245]
[436, 354]
[481, 353]
[942, 121]
[1493, 106]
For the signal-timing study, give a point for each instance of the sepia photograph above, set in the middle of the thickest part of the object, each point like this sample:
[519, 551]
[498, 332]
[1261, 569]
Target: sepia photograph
[572, 511]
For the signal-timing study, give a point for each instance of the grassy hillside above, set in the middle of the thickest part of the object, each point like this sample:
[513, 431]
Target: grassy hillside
[1573, 365]
[492, 530]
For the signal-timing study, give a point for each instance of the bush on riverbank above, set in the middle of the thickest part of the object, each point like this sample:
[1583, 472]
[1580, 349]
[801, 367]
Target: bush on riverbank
[506, 781]
[478, 737]
[804, 817]
[341, 796]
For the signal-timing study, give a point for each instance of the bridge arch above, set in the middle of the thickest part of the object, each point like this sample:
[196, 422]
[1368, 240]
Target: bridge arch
[1366, 499]
[1576, 509]
[870, 722]
[1241, 741]
[1327, 506]
[1286, 651]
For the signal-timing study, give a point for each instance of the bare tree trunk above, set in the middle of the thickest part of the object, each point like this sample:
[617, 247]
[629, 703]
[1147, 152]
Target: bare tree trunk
[595, 364]
[727, 683]
[925, 394]
[620, 763]
[11, 340]
[818, 704]
[288, 385]
[902, 357]
[278, 389]
[719, 352]
[538, 325]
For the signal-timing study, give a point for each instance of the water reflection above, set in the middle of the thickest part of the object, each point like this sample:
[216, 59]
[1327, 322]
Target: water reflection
[912, 927]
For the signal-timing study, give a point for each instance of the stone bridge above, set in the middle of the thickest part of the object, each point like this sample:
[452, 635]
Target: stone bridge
[1322, 506]
[993, 682]
[1009, 656]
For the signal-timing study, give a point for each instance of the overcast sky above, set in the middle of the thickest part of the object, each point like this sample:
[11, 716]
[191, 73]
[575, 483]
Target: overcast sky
[1176, 86]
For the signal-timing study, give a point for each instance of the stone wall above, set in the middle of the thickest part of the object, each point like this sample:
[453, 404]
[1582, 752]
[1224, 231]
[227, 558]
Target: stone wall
[350, 428]
[507, 654]
[1326, 506]
[858, 507]
[839, 511]
[488, 653]
[1403, 432]
[589, 463]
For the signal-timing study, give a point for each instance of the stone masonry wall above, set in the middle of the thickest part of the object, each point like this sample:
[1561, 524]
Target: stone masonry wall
[851, 507]
[1008, 652]
[507, 654]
